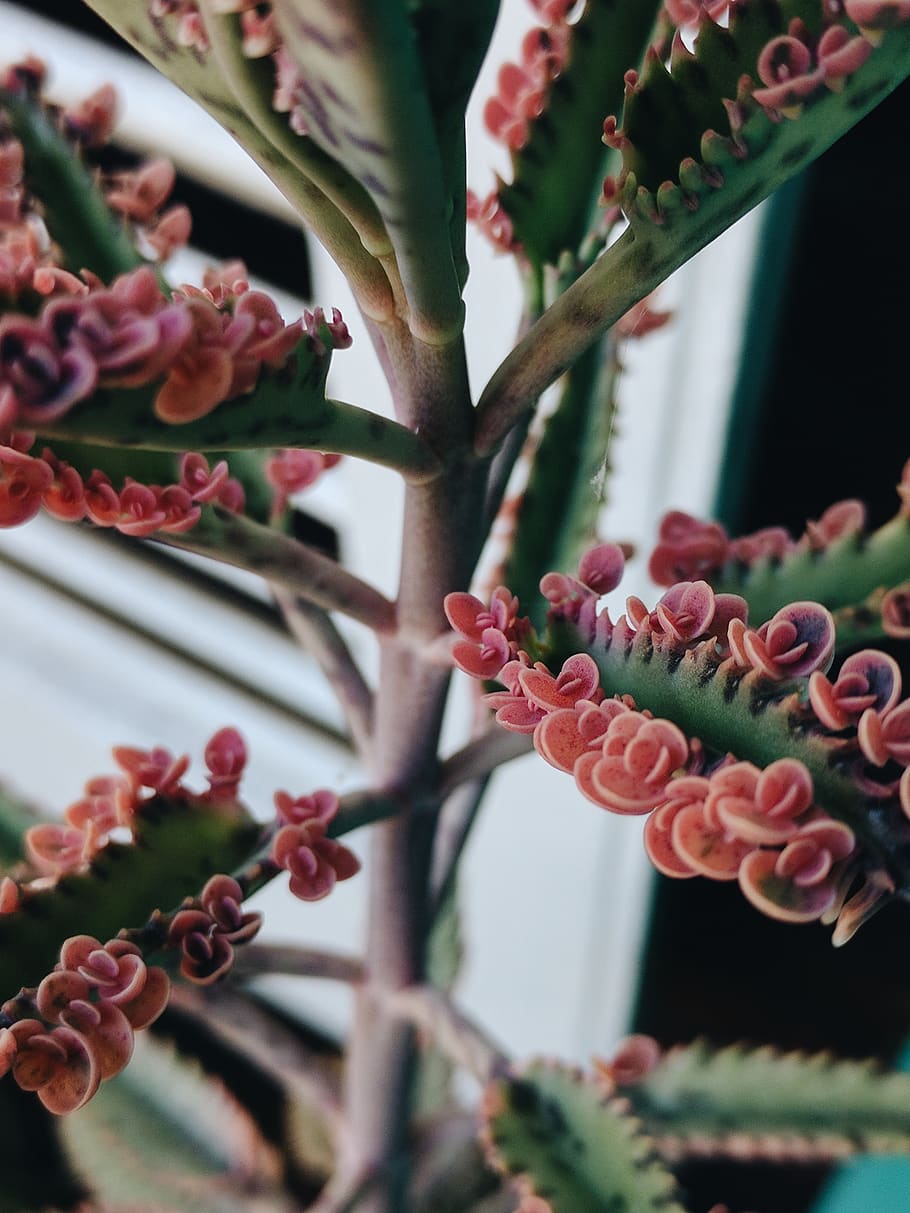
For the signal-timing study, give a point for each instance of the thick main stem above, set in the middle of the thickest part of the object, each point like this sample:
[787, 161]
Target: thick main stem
[441, 523]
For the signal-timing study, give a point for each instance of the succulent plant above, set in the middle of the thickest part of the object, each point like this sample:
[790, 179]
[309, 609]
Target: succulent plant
[747, 713]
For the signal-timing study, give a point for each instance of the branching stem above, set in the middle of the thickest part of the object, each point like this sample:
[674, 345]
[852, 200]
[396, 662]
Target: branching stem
[314, 629]
[238, 541]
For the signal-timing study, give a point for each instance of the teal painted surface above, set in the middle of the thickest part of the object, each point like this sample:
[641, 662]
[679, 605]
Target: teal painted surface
[869, 1185]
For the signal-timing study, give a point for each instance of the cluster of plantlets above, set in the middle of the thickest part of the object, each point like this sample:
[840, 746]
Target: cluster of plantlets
[774, 753]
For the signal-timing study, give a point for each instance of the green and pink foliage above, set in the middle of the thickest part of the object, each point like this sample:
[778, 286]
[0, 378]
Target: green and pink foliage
[747, 716]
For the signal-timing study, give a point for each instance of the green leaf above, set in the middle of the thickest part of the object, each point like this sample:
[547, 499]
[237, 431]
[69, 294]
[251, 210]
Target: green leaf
[179, 845]
[453, 40]
[558, 511]
[763, 1103]
[162, 1134]
[557, 175]
[676, 207]
[90, 235]
[843, 575]
[367, 105]
[163, 467]
[745, 714]
[204, 78]
[287, 408]
[563, 1136]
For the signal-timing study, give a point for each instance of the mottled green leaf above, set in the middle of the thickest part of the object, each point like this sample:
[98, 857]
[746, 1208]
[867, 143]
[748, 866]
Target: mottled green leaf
[90, 235]
[557, 175]
[162, 1134]
[366, 104]
[179, 845]
[558, 510]
[563, 1135]
[764, 1103]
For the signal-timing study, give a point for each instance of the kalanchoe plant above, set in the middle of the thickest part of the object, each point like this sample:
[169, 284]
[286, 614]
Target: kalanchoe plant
[746, 711]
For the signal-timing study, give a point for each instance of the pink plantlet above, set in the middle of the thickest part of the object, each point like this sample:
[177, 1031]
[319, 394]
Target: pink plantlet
[23, 483]
[221, 285]
[288, 90]
[58, 1064]
[106, 1029]
[579, 679]
[270, 340]
[895, 610]
[117, 975]
[840, 55]
[10, 895]
[868, 679]
[759, 807]
[491, 634]
[52, 280]
[25, 77]
[876, 17]
[91, 121]
[169, 232]
[770, 543]
[553, 10]
[232, 496]
[514, 711]
[180, 511]
[260, 34]
[687, 549]
[101, 814]
[291, 471]
[600, 571]
[140, 514]
[200, 377]
[314, 861]
[102, 501]
[633, 1060]
[315, 322]
[684, 613]
[876, 891]
[638, 756]
[38, 380]
[522, 88]
[63, 998]
[694, 836]
[206, 953]
[797, 883]
[688, 12]
[57, 849]
[225, 757]
[320, 806]
[222, 900]
[563, 735]
[130, 330]
[155, 769]
[489, 215]
[140, 193]
[12, 161]
[798, 639]
[885, 736]
[200, 481]
[785, 67]
[642, 319]
[150, 999]
[839, 521]
[658, 832]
